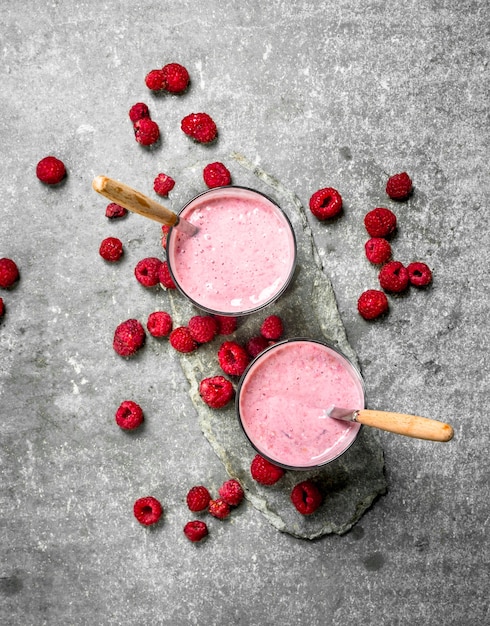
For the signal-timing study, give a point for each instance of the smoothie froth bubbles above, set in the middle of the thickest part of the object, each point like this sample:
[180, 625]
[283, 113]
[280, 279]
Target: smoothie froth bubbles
[282, 399]
[242, 256]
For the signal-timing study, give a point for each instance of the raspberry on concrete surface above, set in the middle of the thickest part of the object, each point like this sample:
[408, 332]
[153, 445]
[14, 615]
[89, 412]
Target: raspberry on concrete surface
[129, 337]
[146, 131]
[155, 80]
[198, 498]
[380, 222]
[129, 415]
[199, 126]
[163, 184]
[393, 277]
[165, 277]
[114, 211]
[378, 250]
[175, 78]
[147, 271]
[219, 508]
[50, 170]
[138, 111]
[195, 530]
[216, 175]
[420, 274]
[326, 203]
[111, 249]
[147, 510]
[9, 273]
[372, 304]
[399, 186]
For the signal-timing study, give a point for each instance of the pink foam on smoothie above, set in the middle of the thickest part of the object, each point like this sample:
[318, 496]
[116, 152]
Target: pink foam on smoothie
[282, 402]
[242, 256]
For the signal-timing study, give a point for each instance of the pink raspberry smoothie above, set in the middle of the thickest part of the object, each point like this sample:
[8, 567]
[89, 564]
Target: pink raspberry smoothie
[282, 400]
[241, 258]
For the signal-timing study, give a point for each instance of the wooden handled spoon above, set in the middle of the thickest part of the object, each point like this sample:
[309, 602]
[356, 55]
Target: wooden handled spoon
[399, 423]
[138, 203]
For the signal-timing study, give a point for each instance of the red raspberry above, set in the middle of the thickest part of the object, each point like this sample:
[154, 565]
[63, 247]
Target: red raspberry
[419, 274]
[265, 472]
[216, 391]
[233, 358]
[195, 530]
[181, 340]
[159, 324]
[256, 345]
[165, 231]
[146, 131]
[129, 415]
[163, 184]
[306, 497]
[372, 304]
[147, 271]
[399, 186]
[226, 324]
[198, 498]
[200, 127]
[2, 308]
[138, 111]
[9, 273]
[111, 249]
[394, 277]
[380, 222]
[326, 203]
[113, 211]
[50, 170]
[203, 328]
[219, 508]
[129, 337]
[272, 327]
[155, 80]
[165, 277]
[147, 510]
[216, 175]
[378, 250]
[175, 77]
[231, 492]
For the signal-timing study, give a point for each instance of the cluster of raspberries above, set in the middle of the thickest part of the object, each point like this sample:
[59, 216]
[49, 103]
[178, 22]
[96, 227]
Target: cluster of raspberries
[9, 275]
[199, 500]
[393, 276]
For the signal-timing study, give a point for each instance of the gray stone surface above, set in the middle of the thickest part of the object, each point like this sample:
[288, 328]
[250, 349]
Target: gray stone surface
[317, 94]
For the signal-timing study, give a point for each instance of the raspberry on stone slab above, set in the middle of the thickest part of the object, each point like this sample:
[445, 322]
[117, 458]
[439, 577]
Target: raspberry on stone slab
[393, 277]
[165, 277]
[372, 304]
[256, 345]
[272, 328]
[265, 472]
[216, 391]
[306, 497]
[219, 508]
[233, 358]
[231, 492]
[181, 340]
[159, 324]
[378, 250]
[380, 222]
[226, 324]
[203, 328]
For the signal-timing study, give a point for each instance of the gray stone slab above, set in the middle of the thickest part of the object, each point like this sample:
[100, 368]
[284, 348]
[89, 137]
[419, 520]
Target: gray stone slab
[308, 309]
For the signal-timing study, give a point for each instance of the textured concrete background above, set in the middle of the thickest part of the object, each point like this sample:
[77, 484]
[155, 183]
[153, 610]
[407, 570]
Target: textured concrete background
[319, 94]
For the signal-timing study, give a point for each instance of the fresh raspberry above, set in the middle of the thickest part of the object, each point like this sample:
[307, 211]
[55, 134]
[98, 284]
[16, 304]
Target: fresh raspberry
[181, 340]
[50, 170]
[372, 304]
[159, 324]
[198, 498]
[147, 510]
[113, 211]
[175, 77]
[129, 415]
[226, 324]
[256, 345]
[233, 358]
[203, 328]
[272, 327]
[219, 508]
[2, 308]
[138, 111]
[163, 184]
[200, 127]
[265, 472]
[146, 131]
[216, 175]
[165, 277]
[380, 222]
[231, 492]
[419, 274]
[9, 273]
[129, 337]
[378, 250]
[306, 497]
[155, 80]
[111, 249]
[399, 186]
[326, 203]
[165, 232]
[195, 530]
[147, 271]
[394, 277]
[216, 391]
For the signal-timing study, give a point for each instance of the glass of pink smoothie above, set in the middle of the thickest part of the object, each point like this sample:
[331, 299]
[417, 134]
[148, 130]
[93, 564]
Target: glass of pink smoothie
[242, 257]
[282, 398]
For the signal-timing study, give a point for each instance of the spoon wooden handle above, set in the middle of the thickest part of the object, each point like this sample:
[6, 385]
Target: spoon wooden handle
[134, 200]
[408, 425]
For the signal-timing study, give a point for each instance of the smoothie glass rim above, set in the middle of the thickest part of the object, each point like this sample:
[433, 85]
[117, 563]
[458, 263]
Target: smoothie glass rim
[278, 293]
[325, 344]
